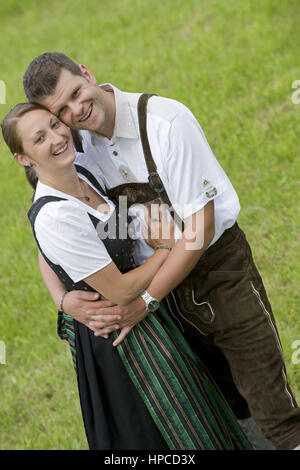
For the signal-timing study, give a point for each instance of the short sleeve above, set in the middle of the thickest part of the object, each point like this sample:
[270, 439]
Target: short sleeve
[194, 174]
[68, 238]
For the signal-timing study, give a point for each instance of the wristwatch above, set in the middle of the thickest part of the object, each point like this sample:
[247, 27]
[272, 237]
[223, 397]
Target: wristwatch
[152, 303]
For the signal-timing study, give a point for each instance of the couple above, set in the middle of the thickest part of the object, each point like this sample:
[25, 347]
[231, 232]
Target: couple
[220, 303]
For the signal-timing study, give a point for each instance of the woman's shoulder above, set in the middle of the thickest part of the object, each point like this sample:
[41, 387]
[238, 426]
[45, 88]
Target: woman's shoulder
[51, 212]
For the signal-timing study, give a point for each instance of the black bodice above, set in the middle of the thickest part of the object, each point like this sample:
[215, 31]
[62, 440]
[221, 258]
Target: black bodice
[117, 230]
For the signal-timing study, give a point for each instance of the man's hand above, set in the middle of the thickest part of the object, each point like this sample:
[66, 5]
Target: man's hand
[131, 314]
[77, 303]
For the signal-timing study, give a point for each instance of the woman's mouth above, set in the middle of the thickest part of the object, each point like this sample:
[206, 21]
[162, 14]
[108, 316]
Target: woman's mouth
[61, 150]
[87, 115]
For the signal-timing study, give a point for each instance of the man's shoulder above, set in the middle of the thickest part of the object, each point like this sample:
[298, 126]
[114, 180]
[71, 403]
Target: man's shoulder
[159, 106]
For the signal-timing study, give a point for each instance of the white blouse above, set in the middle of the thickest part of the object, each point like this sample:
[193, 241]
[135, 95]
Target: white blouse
[67, 235]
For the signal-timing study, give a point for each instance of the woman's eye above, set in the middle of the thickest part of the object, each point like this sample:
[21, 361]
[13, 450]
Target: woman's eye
[39, 139]
[56, 124]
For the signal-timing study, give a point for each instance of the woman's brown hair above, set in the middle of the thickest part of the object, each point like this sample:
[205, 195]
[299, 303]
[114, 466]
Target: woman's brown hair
[12, 138]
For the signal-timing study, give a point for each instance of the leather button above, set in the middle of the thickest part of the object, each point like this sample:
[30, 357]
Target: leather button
[115, 153]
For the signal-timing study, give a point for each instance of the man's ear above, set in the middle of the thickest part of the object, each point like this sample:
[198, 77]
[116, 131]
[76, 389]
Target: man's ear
[87, 74]
[22, 159]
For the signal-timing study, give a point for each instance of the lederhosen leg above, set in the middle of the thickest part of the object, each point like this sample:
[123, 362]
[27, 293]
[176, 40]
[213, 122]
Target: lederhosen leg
[230, 324]
[236, 313]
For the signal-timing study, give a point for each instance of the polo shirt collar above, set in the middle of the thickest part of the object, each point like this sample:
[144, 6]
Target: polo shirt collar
[124, 124]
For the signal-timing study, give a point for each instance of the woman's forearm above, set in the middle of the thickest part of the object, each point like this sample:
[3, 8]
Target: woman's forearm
[123, 288]
[139, 278]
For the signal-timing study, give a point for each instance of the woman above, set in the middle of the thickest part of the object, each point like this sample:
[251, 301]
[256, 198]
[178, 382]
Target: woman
[150, 392]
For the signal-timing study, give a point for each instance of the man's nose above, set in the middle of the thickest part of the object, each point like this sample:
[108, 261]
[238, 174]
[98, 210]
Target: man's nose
[75, 109]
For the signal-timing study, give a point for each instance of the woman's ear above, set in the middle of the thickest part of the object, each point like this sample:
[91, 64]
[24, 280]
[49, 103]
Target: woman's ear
[22, 159]
[87, 74]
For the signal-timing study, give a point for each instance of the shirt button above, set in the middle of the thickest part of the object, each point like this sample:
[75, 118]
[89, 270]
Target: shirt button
[115, 153]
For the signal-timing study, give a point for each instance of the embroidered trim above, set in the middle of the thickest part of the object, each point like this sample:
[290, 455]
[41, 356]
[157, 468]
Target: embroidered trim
[257, 294]
[213, 316]
[191, 323]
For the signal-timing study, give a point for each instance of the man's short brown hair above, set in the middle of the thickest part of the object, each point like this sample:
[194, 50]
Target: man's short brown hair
[42, 74]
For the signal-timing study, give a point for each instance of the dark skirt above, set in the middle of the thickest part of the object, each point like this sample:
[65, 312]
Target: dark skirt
[150, 392]
[114, 414]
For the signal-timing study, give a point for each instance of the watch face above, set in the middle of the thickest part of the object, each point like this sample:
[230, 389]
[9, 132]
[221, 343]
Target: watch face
[153, 305]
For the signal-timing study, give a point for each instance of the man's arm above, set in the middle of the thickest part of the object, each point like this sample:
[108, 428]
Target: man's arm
[76, 303]
[199, 232]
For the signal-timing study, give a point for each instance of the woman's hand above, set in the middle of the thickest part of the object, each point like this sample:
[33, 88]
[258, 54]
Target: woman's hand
[160, 227]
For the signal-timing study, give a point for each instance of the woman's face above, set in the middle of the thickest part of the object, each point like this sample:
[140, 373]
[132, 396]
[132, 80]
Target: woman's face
[47, 142]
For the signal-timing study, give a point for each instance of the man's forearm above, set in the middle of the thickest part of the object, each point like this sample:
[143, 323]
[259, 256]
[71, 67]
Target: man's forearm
[76, 303]
[199, 232]
[178, 265]
[52, 282]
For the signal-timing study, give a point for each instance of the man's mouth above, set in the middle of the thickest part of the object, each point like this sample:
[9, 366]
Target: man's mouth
[61, 150]
[87, 115]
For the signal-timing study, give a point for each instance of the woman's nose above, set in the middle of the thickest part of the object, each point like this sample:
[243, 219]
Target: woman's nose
[58, 137]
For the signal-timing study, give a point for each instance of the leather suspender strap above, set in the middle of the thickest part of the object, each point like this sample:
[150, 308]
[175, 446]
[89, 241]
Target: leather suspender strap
[154, 179]
[142, 115]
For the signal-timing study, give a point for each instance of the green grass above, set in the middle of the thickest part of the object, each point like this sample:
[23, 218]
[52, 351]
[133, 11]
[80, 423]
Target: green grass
[232, 62]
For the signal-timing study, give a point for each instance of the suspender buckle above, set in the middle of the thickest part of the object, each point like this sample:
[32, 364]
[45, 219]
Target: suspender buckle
[155, 182]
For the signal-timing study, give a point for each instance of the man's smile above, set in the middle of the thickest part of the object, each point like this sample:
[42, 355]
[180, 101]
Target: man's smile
[87, 115]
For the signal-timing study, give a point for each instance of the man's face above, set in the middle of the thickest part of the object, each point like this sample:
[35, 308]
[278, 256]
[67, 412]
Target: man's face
[78, 101]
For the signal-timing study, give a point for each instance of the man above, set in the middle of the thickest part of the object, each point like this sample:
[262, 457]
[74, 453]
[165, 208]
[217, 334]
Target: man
[235, 320]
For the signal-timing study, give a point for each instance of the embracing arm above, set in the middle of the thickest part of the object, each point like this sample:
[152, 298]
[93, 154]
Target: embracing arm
[199, 232]
[53, 284]
[120, 288]
[77, 302]
[123, 288]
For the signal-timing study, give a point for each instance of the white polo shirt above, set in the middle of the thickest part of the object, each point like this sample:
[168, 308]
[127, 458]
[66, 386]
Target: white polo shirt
[185, 162]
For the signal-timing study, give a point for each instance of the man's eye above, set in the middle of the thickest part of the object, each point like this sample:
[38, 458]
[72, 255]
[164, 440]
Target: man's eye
[61, 112]
[75, 93]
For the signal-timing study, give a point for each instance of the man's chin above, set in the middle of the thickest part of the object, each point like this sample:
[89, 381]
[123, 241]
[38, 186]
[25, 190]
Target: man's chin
[85, 127]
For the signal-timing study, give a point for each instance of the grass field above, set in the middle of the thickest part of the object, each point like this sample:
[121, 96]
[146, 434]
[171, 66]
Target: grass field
[233, 63]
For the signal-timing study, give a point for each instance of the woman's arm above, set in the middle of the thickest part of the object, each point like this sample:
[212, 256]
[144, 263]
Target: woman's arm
[181, 260]
[77, 302]
[123, 288]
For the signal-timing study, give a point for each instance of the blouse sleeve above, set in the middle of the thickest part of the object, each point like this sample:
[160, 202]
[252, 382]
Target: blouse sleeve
[68, 238]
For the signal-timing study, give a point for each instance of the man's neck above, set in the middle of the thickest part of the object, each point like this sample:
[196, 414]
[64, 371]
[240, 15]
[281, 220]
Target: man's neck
[107, 130]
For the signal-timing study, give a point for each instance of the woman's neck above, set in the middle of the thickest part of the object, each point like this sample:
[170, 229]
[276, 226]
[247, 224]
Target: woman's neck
[65, 180]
